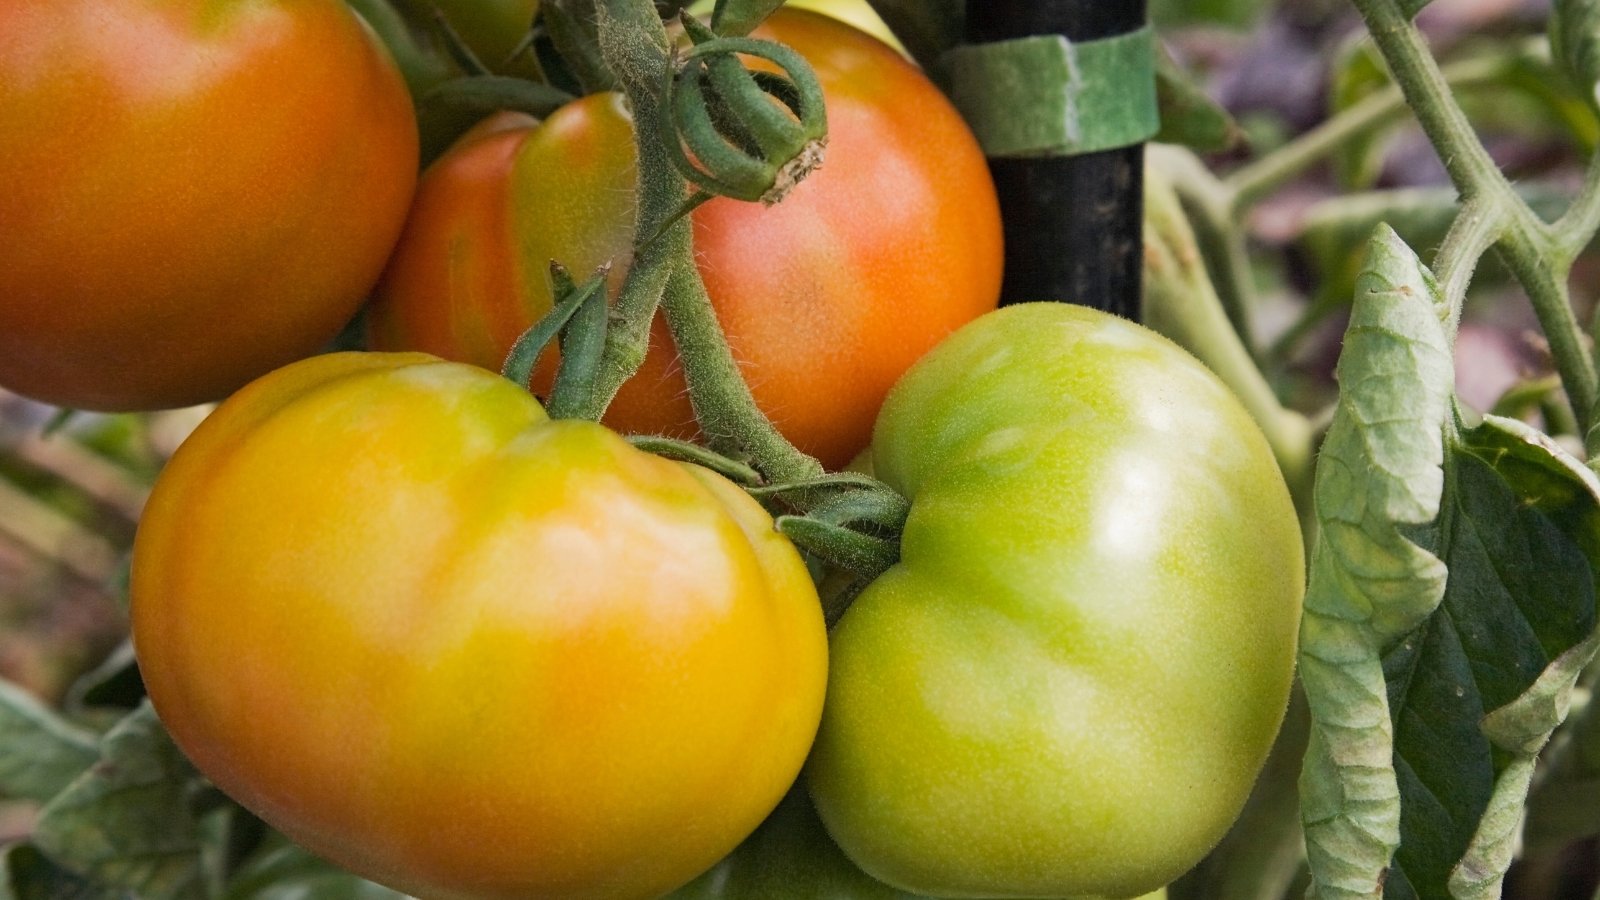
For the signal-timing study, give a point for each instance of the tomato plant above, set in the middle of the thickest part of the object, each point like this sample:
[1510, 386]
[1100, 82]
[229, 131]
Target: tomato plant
[376, 590]
[826, 297]
[492, 29]
[195, 192]
[1070, 680]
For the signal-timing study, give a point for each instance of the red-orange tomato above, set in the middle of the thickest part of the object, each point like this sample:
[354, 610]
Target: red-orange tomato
[195, 191]
[826, 298]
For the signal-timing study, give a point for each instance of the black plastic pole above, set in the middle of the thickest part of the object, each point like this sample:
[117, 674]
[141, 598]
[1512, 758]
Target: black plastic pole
[1073, 224]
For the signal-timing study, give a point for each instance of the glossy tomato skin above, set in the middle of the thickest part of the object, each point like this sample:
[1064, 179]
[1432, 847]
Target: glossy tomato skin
[466, 651]
[194, 191]
[1068, 684]
[826, 298]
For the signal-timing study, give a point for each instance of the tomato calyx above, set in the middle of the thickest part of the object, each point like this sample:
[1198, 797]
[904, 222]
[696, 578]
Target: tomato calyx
[736, 132]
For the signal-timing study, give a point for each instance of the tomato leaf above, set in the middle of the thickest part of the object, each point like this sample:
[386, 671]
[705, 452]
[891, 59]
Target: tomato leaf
[127, 822]
[1380, 468]
[1451, 608]
[40, 752]
[27, 874]
[1520, 596]
[737, 17]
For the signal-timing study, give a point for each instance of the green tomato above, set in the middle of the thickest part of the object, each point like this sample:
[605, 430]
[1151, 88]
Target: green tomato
[1070, 681]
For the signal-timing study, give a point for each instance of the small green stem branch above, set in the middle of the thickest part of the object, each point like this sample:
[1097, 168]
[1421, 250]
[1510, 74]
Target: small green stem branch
[1531, 248]
[1475, 230]
[726, 411]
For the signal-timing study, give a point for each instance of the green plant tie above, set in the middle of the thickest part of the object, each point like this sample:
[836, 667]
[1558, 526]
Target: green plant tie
[1048, 96]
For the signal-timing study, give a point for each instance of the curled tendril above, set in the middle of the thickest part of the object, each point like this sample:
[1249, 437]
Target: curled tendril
[752, 135]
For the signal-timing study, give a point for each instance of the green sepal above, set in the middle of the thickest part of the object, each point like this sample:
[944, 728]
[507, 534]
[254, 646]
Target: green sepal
[862, 554]
[686, 451]
[530, 345]
[1048, 96]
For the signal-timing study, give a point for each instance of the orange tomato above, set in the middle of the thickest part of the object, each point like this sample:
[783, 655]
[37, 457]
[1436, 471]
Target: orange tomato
[826, 298]
[386, 604]
[195, 191]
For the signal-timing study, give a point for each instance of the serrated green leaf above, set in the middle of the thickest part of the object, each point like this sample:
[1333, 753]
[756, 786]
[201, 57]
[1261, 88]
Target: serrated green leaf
[283, 871]
[26, 874]
[127, 822]
[40, 752]
[1380, 469]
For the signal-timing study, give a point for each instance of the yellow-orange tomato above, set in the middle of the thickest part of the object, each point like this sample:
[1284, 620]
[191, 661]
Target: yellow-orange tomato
[196, 191]
[826, 297]
[466, 651]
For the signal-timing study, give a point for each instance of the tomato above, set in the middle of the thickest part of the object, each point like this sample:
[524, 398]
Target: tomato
[826, 298]
[1071, 679]
[192, 192]
[386, 604]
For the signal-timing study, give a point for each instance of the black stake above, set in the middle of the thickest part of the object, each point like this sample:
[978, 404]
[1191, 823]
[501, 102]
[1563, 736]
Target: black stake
[1073, 224]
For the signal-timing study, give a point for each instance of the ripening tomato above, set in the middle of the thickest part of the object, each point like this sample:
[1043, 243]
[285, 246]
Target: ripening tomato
[1068, 684]
[194, 191]
[826, 297]
[386, 604]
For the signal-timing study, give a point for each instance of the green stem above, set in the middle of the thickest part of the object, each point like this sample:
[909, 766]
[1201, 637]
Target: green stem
[1529, 245]
[1577, 226]
[1475, 230]
[727, 413]
[1251, 183]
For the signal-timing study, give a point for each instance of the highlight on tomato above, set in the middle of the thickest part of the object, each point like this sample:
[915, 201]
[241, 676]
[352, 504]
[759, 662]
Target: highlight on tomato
[826, 297]
[195, 192]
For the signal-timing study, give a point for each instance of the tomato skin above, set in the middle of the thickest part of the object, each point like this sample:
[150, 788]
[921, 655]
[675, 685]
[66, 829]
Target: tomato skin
[826, 297]
[375, 593]
[1069, 682]
[195, 192]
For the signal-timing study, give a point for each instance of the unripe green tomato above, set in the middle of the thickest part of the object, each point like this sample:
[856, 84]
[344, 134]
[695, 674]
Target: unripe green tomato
[1070, 681]
[465, 651]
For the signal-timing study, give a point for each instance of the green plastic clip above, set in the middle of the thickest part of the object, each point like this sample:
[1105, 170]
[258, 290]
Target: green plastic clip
[1048, 96]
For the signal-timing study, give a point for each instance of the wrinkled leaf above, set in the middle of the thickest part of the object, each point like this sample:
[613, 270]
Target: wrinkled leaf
[40, 752]
[1520, 596]
[1451, 608]
[127, 821]
[26, 874]
[1380, 469]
